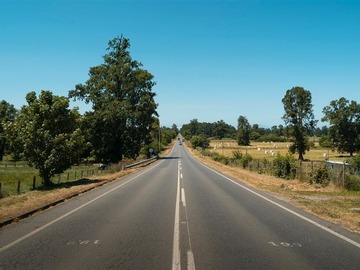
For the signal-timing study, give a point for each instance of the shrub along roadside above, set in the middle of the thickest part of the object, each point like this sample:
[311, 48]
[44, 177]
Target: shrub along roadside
[321, 176]
[285, 167]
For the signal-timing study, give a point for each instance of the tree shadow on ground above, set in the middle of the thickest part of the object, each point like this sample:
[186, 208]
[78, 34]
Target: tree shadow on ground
[170, 158]
[80, 182]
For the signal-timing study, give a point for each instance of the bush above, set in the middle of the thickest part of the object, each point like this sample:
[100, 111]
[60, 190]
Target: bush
[352, 183]
[284, 166]
[321, 176]
[220, 158]
[355, 163]
[237, 155]
[325, 141]
[200, 141]
[245, 160]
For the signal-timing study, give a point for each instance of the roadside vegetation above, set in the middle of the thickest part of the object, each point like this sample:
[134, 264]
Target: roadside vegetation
[51, 143]
[331, 202]
[316, 168]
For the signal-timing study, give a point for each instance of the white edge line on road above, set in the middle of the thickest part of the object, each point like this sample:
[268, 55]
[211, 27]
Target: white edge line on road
[2, 249]
[287, 209]
[176, 239]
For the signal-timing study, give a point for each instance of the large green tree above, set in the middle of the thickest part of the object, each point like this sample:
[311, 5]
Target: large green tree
[123, 104]
[244, 131]
[344, 118]
[7, 114]
[47, 132]
[299, 118]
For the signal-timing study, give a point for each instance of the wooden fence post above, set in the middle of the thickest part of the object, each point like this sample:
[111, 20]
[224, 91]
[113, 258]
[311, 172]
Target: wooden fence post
[19, 186]
[34, 182]
[343, 175]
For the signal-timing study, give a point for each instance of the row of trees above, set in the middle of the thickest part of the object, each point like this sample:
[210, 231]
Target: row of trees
[343, 133]
[343, 116]
[123, 120]
[217, 129]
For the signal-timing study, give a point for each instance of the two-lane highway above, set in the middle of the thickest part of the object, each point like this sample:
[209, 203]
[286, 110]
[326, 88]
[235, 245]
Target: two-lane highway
[176, 214]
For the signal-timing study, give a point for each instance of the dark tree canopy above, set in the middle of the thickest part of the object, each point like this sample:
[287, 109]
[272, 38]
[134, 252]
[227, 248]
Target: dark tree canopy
[244, 131]
[299, 118]
[218, 129]
[344, 118]
[124, 108]
[7, 114]
[46, 133]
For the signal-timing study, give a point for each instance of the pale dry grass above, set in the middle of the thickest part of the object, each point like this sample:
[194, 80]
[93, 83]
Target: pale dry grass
[261, 150]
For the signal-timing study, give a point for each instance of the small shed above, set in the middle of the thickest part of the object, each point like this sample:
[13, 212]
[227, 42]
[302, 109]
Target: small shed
[338, 170]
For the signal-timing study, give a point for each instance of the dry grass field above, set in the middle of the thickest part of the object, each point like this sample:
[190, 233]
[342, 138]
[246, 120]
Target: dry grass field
[259, 150]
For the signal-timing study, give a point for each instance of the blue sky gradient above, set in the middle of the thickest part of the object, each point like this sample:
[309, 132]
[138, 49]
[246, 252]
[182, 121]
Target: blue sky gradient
[212, 60]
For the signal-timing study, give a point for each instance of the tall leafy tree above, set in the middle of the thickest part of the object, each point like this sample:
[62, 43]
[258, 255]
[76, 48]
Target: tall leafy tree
[244, 131]
[48, 134]
[299, 118]
[7, 114]
[175, 128]
[222, 130]
[344, 118]
[123, 104]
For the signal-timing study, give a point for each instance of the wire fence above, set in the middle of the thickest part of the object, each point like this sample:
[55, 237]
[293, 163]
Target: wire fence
[339, 173]
[18, 183]
[17, 177]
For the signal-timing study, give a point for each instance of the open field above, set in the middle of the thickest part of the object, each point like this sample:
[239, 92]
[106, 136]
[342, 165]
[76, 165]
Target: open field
[259, 150]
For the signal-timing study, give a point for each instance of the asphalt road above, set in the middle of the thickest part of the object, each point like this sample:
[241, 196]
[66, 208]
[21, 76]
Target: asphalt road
[176, 214]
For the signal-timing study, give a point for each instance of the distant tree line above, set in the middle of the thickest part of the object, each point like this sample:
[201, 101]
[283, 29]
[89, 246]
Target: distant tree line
[342, 134]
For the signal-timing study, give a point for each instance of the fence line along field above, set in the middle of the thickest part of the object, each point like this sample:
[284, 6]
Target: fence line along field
[17, 177]
[269, 150]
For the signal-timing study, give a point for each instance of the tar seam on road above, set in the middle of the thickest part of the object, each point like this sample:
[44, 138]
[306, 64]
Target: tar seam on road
[350, 241]
[2, 249]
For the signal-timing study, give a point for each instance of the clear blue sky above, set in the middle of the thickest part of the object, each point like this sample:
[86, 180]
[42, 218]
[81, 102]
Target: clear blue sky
[212, 60]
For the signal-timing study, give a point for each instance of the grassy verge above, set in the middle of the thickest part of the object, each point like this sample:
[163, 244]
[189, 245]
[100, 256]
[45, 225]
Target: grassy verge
[10, 177]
